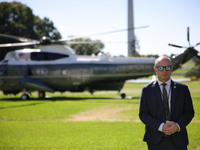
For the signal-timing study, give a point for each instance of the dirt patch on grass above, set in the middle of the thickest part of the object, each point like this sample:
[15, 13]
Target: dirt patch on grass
[103, 114]
[198, 148]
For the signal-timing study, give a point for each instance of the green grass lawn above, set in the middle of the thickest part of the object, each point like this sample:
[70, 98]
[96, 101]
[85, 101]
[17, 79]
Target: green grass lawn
[77, 121]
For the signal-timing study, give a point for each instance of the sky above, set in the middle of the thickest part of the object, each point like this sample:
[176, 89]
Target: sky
[167, 20]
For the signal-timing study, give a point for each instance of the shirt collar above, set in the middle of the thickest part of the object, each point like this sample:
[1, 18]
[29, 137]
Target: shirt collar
[168, 82]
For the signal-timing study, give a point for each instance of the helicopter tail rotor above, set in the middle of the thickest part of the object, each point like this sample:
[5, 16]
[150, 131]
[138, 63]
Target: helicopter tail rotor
[190, 47]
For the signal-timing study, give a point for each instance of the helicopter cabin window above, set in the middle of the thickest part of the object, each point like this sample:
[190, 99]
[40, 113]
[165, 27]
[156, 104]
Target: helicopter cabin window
[42, 56]
[3, 69]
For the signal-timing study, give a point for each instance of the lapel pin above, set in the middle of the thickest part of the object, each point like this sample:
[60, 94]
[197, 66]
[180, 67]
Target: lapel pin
[174, 86]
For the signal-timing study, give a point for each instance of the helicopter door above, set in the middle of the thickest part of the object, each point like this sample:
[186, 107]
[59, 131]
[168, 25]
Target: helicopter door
[3, 69]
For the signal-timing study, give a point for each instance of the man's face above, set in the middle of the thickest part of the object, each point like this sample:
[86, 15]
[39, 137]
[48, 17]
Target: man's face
[164, 75]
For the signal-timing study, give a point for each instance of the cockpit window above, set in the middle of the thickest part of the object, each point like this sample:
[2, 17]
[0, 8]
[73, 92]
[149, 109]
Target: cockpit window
[41, 56]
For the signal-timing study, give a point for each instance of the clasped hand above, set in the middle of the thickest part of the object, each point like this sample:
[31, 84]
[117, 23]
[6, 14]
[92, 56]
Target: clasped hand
[170, 128]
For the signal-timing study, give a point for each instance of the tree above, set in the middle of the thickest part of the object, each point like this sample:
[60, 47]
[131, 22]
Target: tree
[150, 55]
[18, 19]
[195, 71]
[45, 27]
[135, 48]
[87, 47]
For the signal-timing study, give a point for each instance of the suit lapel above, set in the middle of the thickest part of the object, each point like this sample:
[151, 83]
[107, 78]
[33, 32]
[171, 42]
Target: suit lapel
[174, 90]
[157, 92]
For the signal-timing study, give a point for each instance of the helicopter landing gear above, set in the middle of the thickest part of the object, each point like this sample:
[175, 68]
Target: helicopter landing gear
[123, 95]
[41, 94]
[24, 95]
[91, 92]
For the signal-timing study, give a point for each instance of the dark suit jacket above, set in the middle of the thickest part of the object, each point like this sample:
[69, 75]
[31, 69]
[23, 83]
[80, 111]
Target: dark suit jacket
[152, 112]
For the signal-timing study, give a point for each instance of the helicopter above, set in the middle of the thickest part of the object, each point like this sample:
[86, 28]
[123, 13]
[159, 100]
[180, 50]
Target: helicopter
[56, 67]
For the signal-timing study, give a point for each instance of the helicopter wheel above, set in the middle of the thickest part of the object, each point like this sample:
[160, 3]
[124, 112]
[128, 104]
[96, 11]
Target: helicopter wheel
[41, 94]
[25, 97]
[91, 92]
[123, 95]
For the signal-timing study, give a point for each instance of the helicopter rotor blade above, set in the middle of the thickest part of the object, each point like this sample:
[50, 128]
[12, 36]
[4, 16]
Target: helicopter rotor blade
[197, 44]
[119, 30]
[68, 39]
[188, 35]
[22, 39]
[72, 38]
[176, 46]
[59, 41]
[19, 44]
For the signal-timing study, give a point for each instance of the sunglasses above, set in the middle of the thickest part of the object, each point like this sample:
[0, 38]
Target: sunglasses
[161, 68]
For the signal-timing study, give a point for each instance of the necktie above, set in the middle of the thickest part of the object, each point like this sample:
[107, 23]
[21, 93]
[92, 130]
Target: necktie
[165, 100]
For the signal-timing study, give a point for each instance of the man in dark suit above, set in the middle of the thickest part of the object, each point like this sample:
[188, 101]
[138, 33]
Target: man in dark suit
[166, 109]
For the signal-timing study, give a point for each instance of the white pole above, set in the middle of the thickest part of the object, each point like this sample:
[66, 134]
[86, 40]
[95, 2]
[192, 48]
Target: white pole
[131, 37]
